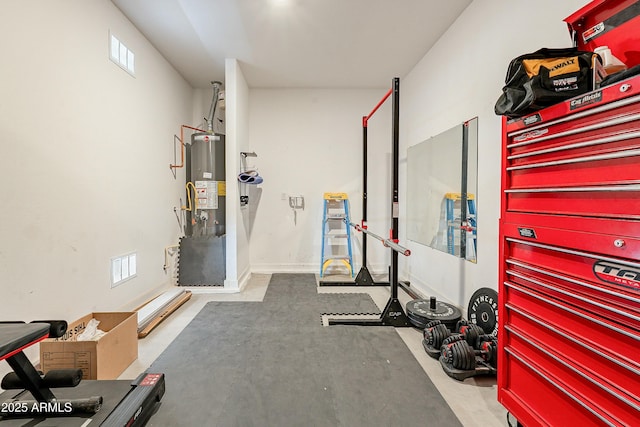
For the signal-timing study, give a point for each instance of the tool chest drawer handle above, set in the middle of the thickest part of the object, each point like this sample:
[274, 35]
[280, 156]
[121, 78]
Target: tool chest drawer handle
[589, 143]
[609, 156]
[600, 125]
[623, 313]
[572, 252]
[585, 113]
[574, 281]
[599, 188]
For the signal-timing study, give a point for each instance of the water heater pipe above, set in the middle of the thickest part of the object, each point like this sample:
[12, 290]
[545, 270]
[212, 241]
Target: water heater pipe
[214, 104]
[181, 165]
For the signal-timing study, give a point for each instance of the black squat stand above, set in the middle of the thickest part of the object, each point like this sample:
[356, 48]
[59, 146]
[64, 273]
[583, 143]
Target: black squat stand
[393, 313]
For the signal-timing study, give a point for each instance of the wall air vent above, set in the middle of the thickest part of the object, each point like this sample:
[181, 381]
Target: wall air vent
[123, 268]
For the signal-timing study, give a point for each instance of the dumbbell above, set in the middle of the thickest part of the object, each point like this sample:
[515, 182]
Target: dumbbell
[487, 347]
[435, 333]
[470, 331]
[457, 352]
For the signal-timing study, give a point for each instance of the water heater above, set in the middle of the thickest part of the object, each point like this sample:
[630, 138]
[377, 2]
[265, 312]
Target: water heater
[206, 170]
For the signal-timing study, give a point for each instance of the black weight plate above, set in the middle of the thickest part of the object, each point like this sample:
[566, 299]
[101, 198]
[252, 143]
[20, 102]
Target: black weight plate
[421, 309]
[483, 310]
[417, 322]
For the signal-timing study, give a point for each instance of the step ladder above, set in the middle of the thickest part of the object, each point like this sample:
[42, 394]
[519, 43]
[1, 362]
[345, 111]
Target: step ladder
[336, 230]
[453, 221]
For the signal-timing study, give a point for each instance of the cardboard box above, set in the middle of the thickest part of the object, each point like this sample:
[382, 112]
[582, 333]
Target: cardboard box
[103, 359]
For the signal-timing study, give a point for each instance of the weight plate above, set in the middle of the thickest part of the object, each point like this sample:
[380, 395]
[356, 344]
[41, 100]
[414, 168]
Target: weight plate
[483, 310]
[420, 310]
[418, 322]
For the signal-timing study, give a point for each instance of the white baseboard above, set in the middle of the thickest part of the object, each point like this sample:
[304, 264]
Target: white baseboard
[244, 279]
[308, 268]
[284, 268]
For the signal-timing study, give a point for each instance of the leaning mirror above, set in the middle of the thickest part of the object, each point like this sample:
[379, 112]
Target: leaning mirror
[442, 191]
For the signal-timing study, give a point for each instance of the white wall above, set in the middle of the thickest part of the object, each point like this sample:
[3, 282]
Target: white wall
[309, 141]
[461, 77]
[237, 139]
[86, 150]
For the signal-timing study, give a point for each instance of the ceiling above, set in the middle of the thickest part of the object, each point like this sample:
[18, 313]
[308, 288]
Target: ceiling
[294, 43]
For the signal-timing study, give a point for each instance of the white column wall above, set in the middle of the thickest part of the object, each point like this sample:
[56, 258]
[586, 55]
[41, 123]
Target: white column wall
[309, 141]
[237, 140]
[86, 150]
[460, 78]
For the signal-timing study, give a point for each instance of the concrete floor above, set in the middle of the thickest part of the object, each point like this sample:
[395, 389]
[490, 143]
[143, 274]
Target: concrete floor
[473, 400]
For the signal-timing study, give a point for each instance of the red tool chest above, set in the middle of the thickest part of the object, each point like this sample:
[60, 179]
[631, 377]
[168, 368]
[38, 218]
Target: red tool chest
[569, 272]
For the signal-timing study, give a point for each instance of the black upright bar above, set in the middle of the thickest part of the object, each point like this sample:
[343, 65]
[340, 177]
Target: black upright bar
[364, 189]
[394, 191]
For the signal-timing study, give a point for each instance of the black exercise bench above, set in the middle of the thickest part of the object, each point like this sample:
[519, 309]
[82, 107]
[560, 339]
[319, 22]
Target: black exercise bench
[107, 403]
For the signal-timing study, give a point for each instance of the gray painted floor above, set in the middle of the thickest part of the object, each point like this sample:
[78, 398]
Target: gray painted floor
[274, 364]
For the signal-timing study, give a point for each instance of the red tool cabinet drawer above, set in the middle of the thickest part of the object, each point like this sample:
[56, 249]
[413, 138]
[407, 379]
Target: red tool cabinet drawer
[611, 201]
[559, 175]
[561, 245]
[583, 164]
[590, 363]
[583, 267]
[537, 398]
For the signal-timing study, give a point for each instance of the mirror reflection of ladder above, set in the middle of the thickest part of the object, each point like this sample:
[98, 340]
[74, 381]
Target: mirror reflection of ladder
[335, 231]
[454, 223]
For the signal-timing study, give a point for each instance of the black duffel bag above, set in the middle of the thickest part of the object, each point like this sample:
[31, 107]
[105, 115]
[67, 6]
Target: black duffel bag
[543, 78]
